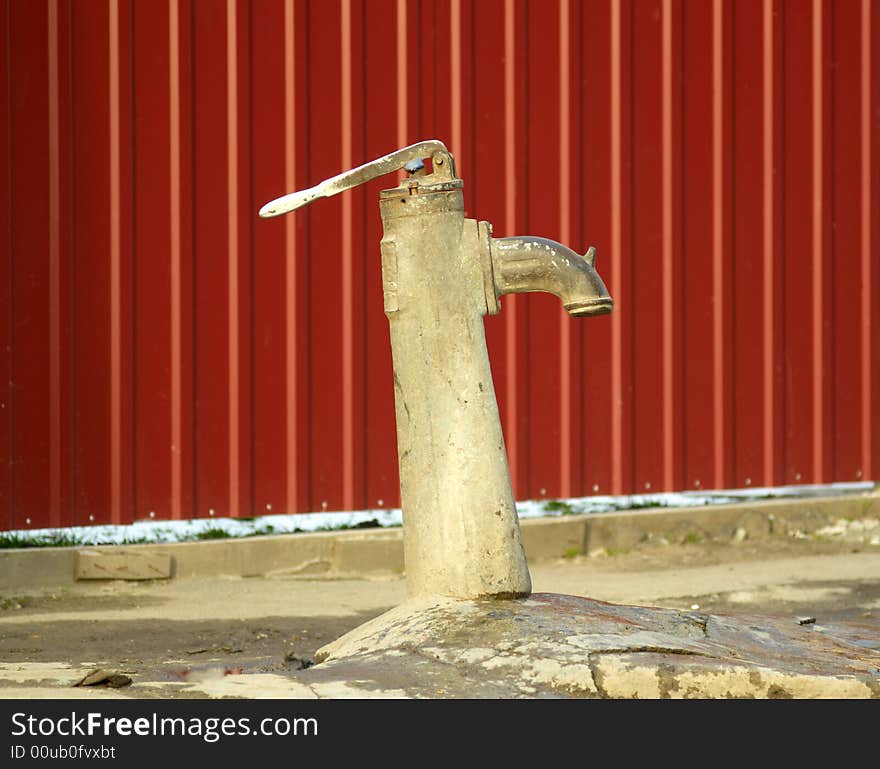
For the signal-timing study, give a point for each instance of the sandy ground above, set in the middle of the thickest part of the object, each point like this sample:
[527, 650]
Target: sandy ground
[170, 630]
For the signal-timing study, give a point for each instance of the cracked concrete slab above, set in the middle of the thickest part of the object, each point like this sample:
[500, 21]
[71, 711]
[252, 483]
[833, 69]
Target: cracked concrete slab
[552, 645]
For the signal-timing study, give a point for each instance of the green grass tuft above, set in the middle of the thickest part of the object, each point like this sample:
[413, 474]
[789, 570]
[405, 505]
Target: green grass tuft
[558, 506]
[56, 539]
[212, 533]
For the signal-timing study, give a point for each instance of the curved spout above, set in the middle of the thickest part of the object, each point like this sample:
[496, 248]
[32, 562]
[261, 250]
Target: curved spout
[523, 264]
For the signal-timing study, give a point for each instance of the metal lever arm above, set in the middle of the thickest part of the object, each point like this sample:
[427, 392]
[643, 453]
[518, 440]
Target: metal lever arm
[348, 179]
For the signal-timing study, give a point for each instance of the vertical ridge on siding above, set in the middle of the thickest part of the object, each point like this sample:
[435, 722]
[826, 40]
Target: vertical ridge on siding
[767, 233]
[617, 484]
[290, 282]
[565, 320]
[718, 308]
[455, 81]
[867, 341]
[510, 223]
[402, 121]
[115, 267]
[175, 252]
[668, 396]
[54, 226]
[817, 251]
[347, 347]
[232, 257]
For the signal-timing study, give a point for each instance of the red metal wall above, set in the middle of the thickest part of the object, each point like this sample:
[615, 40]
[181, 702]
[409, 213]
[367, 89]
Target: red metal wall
[168, 353]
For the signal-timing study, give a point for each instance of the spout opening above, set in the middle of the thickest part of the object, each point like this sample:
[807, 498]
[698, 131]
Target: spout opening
[601, 306]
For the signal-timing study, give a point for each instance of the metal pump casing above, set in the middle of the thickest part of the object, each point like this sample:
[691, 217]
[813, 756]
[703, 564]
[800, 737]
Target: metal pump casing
[461, 532]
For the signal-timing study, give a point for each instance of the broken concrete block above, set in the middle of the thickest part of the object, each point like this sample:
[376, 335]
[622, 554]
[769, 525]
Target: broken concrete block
[119, 564]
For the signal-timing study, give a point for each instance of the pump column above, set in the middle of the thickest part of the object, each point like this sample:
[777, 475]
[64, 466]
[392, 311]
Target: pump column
[461, 533]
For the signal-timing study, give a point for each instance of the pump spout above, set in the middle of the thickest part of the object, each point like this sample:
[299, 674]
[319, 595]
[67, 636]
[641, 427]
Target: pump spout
[523, 264]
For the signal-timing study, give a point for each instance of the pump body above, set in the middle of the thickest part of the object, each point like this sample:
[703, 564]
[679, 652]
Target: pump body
[461, 532]
[441, 274]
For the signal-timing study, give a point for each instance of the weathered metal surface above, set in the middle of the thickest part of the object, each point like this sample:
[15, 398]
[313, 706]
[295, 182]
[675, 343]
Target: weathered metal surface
[408, 158]
[528, 264]
[441, 273]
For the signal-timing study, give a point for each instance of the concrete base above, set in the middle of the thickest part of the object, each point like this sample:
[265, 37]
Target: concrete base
[552, 645]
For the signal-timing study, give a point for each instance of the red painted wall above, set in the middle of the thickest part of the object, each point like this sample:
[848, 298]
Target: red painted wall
[169, 354]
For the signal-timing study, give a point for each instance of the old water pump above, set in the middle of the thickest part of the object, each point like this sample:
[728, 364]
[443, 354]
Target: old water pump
[441, 274]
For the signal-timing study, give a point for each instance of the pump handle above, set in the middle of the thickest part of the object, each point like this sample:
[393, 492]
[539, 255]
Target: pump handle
[408, 157]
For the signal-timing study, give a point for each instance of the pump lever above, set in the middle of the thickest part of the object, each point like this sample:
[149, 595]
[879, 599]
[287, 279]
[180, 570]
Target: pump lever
[408, 157]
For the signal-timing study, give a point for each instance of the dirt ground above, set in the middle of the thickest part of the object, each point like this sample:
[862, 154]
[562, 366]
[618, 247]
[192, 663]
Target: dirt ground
[178, 630]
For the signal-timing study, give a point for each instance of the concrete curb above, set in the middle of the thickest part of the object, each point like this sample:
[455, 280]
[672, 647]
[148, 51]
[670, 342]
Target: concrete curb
[379, 552]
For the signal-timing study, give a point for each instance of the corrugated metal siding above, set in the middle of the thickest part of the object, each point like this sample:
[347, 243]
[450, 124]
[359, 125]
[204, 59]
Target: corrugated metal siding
[169, 354]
